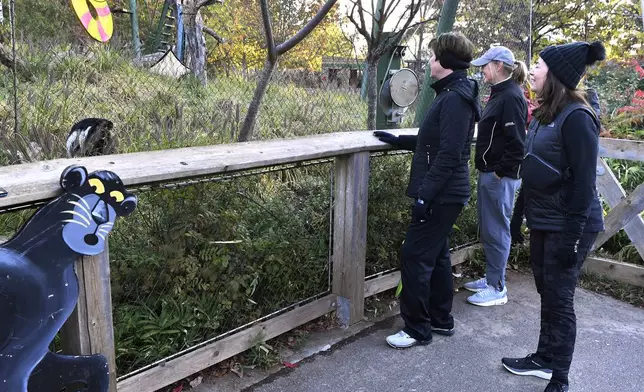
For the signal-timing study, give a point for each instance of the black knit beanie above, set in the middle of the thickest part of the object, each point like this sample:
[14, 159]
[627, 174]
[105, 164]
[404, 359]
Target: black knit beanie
[568, 62]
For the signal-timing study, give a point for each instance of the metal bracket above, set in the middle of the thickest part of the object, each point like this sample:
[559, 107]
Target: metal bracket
[343, 311]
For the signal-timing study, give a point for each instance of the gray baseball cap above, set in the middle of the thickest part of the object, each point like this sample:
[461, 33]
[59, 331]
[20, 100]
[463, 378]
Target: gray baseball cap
[496, 53]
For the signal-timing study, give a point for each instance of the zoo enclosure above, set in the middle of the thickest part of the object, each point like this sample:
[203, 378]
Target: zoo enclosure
[90, 328]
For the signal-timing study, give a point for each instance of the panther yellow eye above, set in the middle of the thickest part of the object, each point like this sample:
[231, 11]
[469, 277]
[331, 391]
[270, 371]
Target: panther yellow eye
[98, 186]
[118, 196]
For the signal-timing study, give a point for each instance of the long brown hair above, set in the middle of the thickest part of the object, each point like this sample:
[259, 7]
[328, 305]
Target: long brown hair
[554, 97]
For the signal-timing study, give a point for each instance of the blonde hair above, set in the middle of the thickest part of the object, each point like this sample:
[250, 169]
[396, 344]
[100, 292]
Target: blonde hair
[518, 72]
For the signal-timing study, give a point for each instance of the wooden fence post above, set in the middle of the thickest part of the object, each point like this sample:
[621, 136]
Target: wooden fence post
[90, 330]
[350, 235]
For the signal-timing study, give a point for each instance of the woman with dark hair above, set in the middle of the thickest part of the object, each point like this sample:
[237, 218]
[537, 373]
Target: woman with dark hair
[563, 210]
[440, 187]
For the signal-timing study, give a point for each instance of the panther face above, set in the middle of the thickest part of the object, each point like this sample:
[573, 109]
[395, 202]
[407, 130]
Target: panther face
[93, 202]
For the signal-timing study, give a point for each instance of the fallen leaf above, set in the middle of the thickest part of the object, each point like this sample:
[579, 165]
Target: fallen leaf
[290, 365]
[178, 389]
[196, 382]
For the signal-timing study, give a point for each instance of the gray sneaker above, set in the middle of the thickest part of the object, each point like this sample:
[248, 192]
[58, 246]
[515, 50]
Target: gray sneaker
[477, 285]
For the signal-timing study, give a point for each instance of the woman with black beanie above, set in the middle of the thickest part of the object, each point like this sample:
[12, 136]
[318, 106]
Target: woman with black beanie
[563, 210]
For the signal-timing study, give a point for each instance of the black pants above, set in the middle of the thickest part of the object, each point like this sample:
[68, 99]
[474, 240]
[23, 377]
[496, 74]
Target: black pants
[426, 272]
[556, 285]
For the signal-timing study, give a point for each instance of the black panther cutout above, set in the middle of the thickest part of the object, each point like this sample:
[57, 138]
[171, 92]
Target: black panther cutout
[39, 288]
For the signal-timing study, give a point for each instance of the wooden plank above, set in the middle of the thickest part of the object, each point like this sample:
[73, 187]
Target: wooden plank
[389, 281]
[613, 193]
[32, 182]
[210, 354]
[621, 215]
[39, 181]
[615, 270]
[462, 255]
[632, 150]
[350, 234]
[381, 283]
[89, 330]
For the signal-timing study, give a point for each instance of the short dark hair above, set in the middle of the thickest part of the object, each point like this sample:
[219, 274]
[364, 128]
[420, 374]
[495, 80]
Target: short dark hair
[455, 43]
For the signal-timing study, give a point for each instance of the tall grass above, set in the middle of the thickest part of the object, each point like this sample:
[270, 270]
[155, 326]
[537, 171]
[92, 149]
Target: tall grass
[152, 112]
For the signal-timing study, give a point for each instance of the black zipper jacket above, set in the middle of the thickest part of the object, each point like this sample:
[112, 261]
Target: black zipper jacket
[502, 130]
[439, 167]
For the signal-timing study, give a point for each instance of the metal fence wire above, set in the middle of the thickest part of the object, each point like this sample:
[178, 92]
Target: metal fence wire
[198, 261]
[63, 76]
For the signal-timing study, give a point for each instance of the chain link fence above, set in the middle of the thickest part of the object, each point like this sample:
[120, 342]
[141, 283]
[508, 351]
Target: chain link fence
[490, 23]
[151, 97]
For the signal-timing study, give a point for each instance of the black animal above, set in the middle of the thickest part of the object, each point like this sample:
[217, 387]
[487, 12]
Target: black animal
[90, 137]
[39, 288]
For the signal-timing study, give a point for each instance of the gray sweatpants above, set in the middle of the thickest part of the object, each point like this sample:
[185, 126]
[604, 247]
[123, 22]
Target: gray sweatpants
[495, 202]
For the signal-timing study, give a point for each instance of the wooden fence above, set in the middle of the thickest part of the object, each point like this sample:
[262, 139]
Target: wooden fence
[90, 330]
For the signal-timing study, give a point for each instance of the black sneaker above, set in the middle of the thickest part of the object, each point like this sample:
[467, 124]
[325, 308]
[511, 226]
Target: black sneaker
[556, 386]
[528, 366]
[443, 331]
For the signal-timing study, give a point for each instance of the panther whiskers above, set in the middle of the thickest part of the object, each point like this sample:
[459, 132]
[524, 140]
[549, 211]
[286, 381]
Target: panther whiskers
[84, 218]
[76, 222]
[85, 210]
[81, 199]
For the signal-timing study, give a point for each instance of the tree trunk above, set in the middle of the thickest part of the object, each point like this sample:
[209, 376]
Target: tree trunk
[372, 91]
[253, 109]
[419, 55]
[195, 44]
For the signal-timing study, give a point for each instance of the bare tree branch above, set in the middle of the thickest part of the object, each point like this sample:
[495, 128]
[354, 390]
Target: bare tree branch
[306, 30]
[396, 38]
[268, 31]
[390, 8]
[362, 29]
[411, 31]
[214, 35]
[355, 3]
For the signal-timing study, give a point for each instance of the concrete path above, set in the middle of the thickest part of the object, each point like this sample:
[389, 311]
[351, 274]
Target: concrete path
[609, 354]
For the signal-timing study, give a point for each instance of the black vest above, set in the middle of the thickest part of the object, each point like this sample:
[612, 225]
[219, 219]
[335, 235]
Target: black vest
[547, 177]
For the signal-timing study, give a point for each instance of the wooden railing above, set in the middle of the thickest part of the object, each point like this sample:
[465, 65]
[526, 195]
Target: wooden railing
[89, 330]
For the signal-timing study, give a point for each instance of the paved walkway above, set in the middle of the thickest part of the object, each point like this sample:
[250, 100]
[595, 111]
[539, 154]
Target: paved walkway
[609, 354]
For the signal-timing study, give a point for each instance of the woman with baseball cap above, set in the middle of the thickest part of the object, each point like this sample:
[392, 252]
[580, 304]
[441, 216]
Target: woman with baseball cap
[563, 210]
[498, 156]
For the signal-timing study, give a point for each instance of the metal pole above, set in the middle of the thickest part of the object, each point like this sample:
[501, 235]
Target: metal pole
[136, 42]
[12, 19]
[529, 60]
[642, 6]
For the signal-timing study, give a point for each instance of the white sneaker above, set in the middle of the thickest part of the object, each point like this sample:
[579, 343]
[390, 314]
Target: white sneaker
[403, 340]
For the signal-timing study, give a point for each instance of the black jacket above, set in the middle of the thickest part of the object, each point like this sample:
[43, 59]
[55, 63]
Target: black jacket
[439, 168]
[501, 131]
[559, 173]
